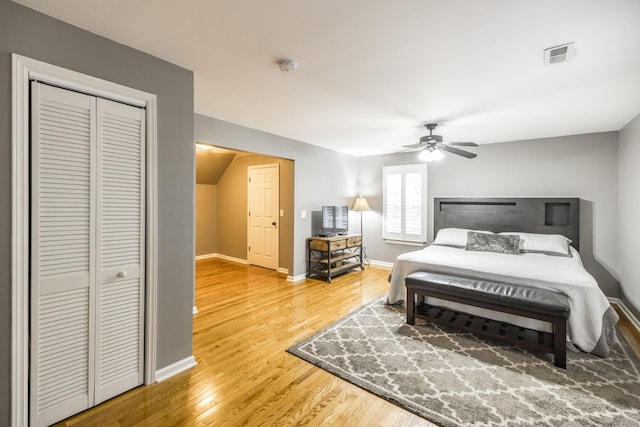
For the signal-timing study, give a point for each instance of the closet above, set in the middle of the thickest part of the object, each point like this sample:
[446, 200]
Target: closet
[87, 251]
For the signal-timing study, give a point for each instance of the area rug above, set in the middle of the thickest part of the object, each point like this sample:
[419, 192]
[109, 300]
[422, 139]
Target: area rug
[453, 378]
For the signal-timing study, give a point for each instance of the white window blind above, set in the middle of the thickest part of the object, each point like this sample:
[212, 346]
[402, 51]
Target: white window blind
[405, 203]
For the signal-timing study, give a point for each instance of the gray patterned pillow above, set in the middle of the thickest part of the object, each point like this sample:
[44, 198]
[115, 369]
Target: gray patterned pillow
[504, 244]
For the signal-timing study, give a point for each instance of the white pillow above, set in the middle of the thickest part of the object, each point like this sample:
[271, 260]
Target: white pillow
[549, 244]
[454, 237]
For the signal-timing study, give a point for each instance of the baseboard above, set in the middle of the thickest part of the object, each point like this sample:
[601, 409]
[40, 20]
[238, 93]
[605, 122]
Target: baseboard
[634, 321]
[283, 270]
[298, 278]
[175, 368]
[224, 257]
[195, 310]
[232, 259]
[381, 264]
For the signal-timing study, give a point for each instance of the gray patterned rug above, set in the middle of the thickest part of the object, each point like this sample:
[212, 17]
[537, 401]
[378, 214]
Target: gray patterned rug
[452, 378]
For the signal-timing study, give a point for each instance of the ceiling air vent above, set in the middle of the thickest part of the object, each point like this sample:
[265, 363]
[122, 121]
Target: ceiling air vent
[558, 54]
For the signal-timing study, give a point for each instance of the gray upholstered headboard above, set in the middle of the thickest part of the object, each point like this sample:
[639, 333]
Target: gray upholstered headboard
[529, 215]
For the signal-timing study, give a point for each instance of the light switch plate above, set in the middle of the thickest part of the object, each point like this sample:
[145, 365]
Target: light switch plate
[303, 214]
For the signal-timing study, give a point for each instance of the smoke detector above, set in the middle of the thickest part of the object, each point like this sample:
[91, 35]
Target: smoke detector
[559, 54]
[287, 65]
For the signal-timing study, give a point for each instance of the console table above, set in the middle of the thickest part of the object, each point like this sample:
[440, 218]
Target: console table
[329, 256]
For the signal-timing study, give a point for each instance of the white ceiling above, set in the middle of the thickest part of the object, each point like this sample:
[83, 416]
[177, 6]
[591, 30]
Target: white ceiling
[372, 72]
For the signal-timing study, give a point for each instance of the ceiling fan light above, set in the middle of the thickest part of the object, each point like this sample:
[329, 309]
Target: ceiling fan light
[437, 155]
[426, 156]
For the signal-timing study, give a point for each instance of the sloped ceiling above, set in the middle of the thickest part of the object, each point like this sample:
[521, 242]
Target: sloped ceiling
[372, 72]
[211, 164]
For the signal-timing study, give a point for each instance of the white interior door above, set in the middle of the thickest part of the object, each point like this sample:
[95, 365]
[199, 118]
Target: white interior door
[263, 206]
[120, 255]
[86, 326]
[62, 254]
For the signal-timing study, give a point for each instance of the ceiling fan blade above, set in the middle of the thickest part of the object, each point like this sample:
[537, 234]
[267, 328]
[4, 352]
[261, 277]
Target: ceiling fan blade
[413, 146]
[459, 152]
[406, 150]
[463, 144]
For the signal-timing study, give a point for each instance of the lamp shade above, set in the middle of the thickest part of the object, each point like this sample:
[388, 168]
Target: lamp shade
[360, 205]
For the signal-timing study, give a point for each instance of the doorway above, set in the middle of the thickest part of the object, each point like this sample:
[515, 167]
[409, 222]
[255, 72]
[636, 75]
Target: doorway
[222, 205]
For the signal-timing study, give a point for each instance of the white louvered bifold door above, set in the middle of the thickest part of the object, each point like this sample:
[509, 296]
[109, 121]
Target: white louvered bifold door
[62, 252]
[87, 251]
[120, 322]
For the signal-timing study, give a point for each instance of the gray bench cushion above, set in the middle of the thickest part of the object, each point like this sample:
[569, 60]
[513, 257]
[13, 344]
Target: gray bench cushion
[499, 294]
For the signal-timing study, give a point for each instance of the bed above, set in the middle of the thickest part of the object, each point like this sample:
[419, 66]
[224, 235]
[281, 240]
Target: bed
[591, 325]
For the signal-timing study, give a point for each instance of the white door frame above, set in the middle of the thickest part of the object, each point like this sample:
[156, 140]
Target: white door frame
[277, 252]
[25, 69]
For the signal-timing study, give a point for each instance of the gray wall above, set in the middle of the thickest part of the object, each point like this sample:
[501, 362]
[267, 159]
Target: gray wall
[583, 166]
[322, 177]
[629, 194]
[38, 36]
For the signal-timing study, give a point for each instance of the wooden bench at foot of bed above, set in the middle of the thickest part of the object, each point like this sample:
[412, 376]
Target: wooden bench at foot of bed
[524, 301]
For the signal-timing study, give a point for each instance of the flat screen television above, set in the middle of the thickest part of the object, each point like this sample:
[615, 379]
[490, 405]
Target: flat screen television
[335, 220]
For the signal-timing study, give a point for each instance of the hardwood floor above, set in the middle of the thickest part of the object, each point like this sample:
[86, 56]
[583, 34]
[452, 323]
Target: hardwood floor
[628, 331]
[248, 316]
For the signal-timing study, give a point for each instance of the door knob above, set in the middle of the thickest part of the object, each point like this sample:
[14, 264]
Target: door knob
[274, 224]
[122, 274]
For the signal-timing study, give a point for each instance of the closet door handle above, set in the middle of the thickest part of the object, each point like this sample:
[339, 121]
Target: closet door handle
[122, 274]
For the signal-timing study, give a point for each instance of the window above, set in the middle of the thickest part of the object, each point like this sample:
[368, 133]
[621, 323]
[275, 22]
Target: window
[405, 203]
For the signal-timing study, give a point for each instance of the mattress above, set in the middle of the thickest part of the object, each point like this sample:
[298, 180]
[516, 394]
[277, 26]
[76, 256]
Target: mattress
[591, 325]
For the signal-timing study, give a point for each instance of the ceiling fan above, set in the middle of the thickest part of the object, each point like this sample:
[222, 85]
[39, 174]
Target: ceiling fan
[432, 146]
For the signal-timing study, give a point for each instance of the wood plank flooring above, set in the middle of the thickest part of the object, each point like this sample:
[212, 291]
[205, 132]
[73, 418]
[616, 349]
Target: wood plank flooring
[248, 316]
[628, 331]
